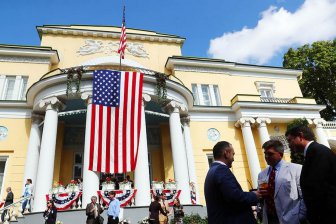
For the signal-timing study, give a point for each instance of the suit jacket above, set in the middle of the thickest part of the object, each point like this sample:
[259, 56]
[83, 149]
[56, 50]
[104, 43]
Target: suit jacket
[225, 200]
[9, 199]
[90, 215]
[50, 217]
[288, 199]
[318, 183]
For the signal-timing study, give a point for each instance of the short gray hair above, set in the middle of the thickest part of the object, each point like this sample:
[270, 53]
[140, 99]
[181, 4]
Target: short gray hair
[94, 197]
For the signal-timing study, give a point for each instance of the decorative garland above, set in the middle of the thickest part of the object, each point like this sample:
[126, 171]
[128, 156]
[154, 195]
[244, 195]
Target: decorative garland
[161, 87]
[74, 77]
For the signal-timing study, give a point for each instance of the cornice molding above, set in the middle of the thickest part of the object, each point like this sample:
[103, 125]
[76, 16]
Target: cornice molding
[109, 34]
[18, 54]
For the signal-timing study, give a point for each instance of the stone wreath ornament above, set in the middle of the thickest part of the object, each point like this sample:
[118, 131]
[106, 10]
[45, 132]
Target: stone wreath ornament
[74, 78]
[161, 87]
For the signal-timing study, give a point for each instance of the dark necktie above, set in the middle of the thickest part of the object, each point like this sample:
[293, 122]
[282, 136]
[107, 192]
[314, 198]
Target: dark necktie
[271, 189]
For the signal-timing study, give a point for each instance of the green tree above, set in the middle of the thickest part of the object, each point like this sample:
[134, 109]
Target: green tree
[318, 62]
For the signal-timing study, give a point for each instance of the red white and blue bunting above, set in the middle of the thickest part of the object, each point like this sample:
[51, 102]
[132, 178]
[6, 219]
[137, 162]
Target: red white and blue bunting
[124, 196]
[1, 204]
[170, 194]
[63, 201]
[193, 197]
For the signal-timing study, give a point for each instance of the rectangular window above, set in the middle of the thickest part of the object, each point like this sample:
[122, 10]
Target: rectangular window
[265, 89]
[13, 87]
[210, 159]
[207, 95]
[2, 171]
[78, 165]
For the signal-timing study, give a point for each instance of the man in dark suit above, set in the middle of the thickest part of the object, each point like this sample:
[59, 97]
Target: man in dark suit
[318, 175]
[225, 200]
[8, 201]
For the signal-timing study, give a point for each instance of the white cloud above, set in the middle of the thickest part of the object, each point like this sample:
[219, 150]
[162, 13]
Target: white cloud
[278, 29]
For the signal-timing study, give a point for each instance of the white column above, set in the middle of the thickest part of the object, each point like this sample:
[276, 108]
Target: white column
[17, 86]
[321, 136]
[251, 151]
[141, 174]
[178, 151]
[45, 172]
[190, 155]
[262, 129]
[90, 178]
[33, 151]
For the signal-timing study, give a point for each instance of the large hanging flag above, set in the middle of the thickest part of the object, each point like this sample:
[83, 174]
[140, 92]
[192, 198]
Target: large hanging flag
[122, 42]
[115, 120]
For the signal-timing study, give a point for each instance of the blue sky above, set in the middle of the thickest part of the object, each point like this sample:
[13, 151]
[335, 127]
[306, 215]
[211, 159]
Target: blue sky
[234, 30]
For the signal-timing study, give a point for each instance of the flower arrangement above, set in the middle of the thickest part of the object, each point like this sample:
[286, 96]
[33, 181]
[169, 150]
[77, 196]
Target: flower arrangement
[157, 184]
[108, 185]
[171, 184]
[59, 222]
[144, 221]
[72, 186]
[125, 185]
[57, 188]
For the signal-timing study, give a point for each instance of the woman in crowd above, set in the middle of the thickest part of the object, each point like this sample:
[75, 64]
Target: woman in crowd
[164, 205]
[50, 214]
[178, 211]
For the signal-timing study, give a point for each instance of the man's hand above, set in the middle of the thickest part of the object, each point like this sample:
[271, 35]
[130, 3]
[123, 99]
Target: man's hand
[259, 193]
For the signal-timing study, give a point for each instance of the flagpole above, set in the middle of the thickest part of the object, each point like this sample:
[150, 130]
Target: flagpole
[122, 43]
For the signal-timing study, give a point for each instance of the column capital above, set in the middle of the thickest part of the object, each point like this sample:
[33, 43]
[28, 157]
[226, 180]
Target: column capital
[318, 122]
[37, 118]
[245, 122]
[87, 97]
[263, 121]
[51, 103]
[185, 120]
[171, 106]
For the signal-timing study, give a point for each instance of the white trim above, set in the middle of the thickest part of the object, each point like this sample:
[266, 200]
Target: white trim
[15, 113]
[2, 158]
[112, 60]
[215, 117]
[292, 106]
[49, 54]
[110, 34]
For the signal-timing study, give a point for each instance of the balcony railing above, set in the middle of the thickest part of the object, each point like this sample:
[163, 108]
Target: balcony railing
[276, 100]
[329, 125]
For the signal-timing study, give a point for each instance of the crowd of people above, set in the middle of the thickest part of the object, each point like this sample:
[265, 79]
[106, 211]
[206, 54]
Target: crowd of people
[288, 193]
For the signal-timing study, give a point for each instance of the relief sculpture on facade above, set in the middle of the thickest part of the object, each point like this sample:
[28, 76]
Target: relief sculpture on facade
[97, 46]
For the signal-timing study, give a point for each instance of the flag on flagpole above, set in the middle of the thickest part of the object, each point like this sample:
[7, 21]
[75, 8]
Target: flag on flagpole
[122, 42]
[115, 120]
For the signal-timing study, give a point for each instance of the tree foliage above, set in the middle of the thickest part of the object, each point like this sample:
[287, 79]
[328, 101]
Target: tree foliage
[318, 62]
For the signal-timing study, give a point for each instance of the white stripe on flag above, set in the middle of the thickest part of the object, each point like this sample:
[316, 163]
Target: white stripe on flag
[104, 126]
[120, 128]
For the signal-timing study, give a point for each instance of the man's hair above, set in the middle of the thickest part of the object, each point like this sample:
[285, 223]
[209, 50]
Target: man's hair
[219, 148]
[276, 144]
[112, 193]
[305, 130]
[94, 197]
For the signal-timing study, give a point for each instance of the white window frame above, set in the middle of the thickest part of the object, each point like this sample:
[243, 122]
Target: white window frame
[5, 159]
[19, 91]
[214, 96]
[268, 88]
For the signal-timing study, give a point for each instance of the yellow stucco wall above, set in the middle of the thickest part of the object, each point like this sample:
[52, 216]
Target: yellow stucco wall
[230, 85]
[33, 71]
[58, 153]
[167, 153]
[157, 165]
[15, 147]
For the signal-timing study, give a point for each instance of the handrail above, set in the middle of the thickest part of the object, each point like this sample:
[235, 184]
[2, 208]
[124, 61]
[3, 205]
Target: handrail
[15, 203]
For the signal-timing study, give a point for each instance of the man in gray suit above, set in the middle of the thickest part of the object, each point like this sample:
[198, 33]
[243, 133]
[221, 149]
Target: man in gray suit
[283, 203]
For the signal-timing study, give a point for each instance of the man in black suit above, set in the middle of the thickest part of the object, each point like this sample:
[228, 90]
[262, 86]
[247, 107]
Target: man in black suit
[318, 175]
[225, 200]
[8, 201]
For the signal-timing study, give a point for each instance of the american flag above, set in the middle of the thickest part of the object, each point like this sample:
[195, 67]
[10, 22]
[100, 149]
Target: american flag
[115, 121]
[122, 43]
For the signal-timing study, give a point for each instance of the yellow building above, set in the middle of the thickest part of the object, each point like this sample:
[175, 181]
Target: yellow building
[42, 133]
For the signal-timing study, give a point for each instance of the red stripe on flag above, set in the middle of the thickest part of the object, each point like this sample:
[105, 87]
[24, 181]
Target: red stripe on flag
[108, 140]
[139, 117]
[100, 137]
[132, 120]
[116, 136]
[92, 135]
[124, 148]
